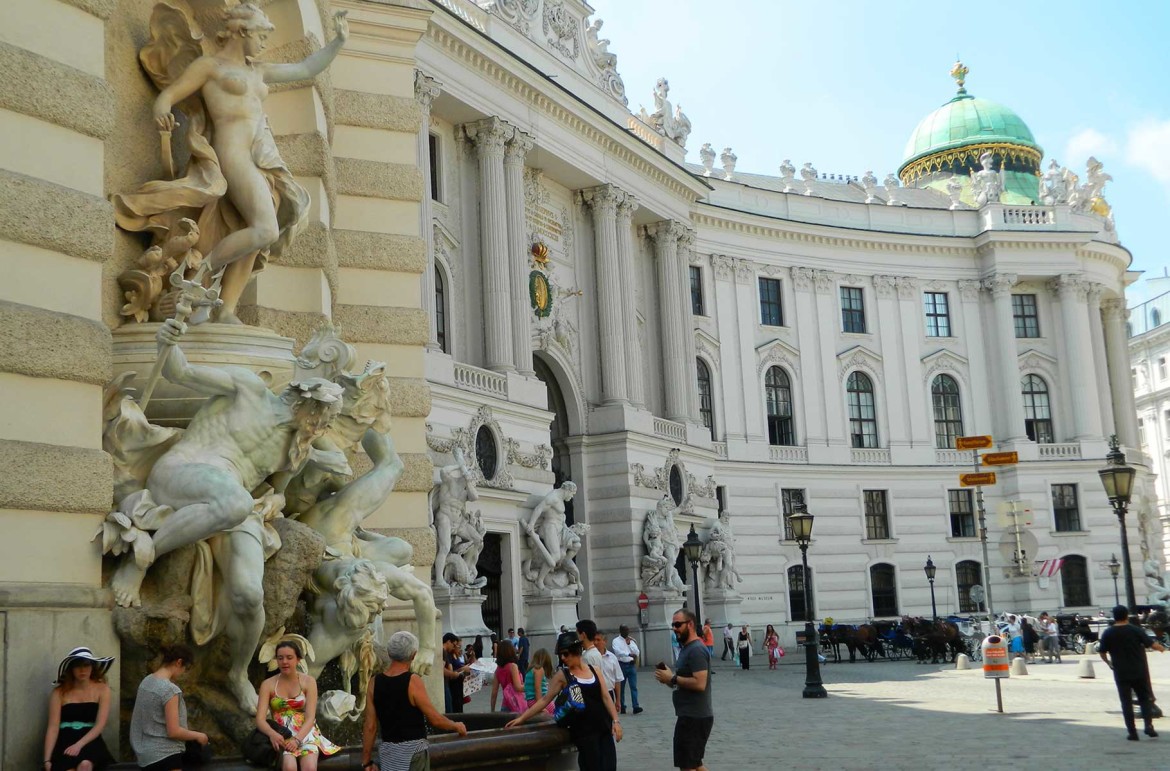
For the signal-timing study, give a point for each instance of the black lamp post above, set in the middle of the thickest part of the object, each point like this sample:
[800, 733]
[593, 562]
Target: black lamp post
[1117, 478]
[930, 571]
[693, 547]
[1114, 569]
[802, 523]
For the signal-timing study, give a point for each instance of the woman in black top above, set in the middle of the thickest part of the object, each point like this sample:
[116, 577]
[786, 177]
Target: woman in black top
[745, 647]
[399, 705]
[597, 727]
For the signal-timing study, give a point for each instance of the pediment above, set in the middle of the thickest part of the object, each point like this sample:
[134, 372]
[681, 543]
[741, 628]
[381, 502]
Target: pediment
[943, 360]
[708, 345]
[778, 352]
[1033, 360]
[860, 357]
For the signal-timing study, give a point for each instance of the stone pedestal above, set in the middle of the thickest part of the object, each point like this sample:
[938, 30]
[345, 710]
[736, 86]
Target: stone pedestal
[722, 607]
[656, 633]
[546, 616]
[462, 612]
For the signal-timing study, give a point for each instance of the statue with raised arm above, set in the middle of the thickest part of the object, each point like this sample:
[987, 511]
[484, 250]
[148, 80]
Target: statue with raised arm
[1054, 185]
[1156, 583]
[546, 527]
[665, 543]
[455, 490]
[718, 555]
[987, 185]
[245, 200]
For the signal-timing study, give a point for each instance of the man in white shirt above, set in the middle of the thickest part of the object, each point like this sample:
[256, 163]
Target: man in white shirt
[728, 643]
[586, 632]
[610, 668]
[626, 650]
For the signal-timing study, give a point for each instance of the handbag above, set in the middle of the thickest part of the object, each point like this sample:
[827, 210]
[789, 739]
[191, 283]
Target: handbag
[569, 703]
[257, 747]
[195, 754]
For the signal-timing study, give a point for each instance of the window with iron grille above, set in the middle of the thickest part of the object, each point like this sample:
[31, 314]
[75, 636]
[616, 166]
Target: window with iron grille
[696, 290]
[948, 412]
[877, 516]
[778, 390]
[862, 413]
[1066, 513]
[968, 573]
[796, 580]
[884, 588]
[1074, 581]
[938, 315]
[1025, 315]
[771, 307]
[1037, 410]
[852, 310]
[789, 497]
[962, 513]
[705, 401]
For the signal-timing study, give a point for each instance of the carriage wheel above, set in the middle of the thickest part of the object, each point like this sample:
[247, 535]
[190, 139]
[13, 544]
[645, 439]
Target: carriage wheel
[1078, 643]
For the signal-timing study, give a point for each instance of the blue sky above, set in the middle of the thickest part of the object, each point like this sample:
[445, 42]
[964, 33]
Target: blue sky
[843, 83]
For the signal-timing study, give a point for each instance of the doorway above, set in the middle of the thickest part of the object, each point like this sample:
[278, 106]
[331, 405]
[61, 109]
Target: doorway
[491, 567]
[558, 430]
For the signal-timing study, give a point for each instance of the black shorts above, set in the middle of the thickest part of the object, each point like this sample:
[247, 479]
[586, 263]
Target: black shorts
[690, 740]
[169, 763]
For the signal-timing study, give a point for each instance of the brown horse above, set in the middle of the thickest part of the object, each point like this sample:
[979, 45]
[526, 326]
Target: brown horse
[863, 638]
[933, 638]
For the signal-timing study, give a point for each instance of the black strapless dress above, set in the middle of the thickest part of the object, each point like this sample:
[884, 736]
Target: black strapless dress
[76, 721]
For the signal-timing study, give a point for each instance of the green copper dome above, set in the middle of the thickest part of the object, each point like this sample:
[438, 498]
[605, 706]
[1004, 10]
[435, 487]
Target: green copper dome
[967, 120]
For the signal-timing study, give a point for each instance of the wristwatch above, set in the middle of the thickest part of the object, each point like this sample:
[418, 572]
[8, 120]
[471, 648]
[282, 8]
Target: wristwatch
[674, 681]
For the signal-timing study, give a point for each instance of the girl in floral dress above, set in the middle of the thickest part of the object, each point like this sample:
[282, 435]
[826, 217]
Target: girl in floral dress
[291, 698]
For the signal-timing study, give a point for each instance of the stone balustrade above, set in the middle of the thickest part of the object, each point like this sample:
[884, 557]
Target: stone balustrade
[668, 429]
[877, 456]
[788, 454]
[481, 380]
[1069, 451]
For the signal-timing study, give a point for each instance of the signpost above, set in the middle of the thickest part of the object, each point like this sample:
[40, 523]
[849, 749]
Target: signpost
[1001, 458]
[977, 479]
[973, 442]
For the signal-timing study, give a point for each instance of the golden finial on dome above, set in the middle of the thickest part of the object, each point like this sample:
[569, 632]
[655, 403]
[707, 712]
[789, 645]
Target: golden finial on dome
[959, 73]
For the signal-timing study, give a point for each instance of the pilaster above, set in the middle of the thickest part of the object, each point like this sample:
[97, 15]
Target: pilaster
[917, 414]
[980, 398]
[612, 343]
[425, 90]
[514, 153]
[1010, 426]
[815, 391]
[676, 330]
[1114, 314]
[1080, 382]
[1100, 363]
[828, 321]
[888, 289]
[635, 376]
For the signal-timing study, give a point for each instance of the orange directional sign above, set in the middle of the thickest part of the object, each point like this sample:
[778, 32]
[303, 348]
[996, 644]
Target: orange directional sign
[973, 442]
[1000, 459]
[975, 480]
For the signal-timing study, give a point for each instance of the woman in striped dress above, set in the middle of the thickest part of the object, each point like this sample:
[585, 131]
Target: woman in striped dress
[399, 708]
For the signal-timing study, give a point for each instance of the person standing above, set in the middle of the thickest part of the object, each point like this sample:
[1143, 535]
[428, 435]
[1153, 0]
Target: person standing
[1053, 639]
[744, 644]
[455, 669]
[523, 650]
[611, 668]
[772, 645]
[728, 643]
[586, 633]
[626, 650]
[508, 679]
[692, 695]
[78, 709]
[1123, 648]
[708, 637]
[158, 725]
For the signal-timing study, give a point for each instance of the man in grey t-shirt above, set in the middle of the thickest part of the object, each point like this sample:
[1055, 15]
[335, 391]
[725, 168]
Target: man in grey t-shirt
[692, 696]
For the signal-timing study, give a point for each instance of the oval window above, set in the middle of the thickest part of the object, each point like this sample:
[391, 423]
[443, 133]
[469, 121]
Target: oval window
[676, 485]
[485, 452]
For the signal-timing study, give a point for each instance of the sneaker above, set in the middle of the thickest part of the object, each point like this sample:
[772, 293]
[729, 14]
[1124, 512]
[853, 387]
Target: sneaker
[623, 710]
[638, 710]
[1151, 732]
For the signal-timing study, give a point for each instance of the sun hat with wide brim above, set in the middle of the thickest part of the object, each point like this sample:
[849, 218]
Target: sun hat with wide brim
[101, 664]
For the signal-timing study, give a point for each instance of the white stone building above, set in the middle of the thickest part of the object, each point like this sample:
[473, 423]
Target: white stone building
[736, 340]
[1149, 350]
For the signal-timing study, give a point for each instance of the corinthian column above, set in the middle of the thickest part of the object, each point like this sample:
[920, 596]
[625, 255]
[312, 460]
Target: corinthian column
[1011, 416]
[425, 91]
[625, 244]
[1100, 361]
[489, 137]
[1080, 381]
[1114, 313]
[603, 201]
[676, 329]
[514, 154]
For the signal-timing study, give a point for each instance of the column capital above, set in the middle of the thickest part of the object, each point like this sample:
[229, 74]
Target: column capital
[1114, 309]
[1096, 290]
[489, 135]
[823, 281]
[666, 230]
[723, 266]
[626, 207]
[603, 198]
[907, 287]
[969, 289]
[517, 147]
[1000, 284]
[883, 286]
[686, 240]
[426, 89]
[1070, 286]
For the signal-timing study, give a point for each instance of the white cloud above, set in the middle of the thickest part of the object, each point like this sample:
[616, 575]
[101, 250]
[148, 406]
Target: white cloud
[1084, 143]
[1148, 147]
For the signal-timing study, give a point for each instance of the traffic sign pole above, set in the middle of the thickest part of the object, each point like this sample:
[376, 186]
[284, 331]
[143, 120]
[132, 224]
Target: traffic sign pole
[983, 543]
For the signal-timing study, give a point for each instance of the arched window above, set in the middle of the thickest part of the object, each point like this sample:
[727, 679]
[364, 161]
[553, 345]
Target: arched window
[948, 413]
[1155, 317]
[796, 607]
[1074, 581]
[440, 310]
[705, 400]
[967, 574]
[884, 590]
[1037, 410]
[778, 388]
[862, 415]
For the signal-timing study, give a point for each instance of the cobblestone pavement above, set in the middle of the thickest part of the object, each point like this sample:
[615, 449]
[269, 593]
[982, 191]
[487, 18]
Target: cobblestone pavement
[901, 715]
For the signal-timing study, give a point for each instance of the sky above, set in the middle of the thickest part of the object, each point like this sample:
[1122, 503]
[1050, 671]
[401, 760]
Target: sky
[843, 83]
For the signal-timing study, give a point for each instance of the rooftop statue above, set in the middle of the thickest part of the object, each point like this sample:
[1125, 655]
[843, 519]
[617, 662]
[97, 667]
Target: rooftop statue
[707, 158]
[1054, 185]
[235, 187]
[599, 47]
[672, 124]
[869, 185]
[1090, 197]
[728, 159]
[986, 185]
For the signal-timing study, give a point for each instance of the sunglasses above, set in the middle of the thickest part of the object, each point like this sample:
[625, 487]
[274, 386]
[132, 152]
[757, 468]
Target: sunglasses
[677, 624]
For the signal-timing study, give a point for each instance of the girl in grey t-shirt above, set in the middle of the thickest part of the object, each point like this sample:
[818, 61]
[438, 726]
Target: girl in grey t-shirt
[158, 726]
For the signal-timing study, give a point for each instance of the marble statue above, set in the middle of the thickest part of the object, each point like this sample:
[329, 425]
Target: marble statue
[667, 121]
[599, 47]
[455, 490]
[461, 568]
[1090, 197]
[892, 185]
[954, 190]
[1156, 583]
[718, 555]
[728, 159]
[809, 175]
[707, 158]
[869, 185]
[549, 538]
[661, 537]
[246, 202]
[788, 176]
[986, 185]
[1054, 185]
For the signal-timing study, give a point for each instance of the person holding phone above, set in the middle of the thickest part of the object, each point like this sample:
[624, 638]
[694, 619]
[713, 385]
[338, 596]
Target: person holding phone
[692, 693]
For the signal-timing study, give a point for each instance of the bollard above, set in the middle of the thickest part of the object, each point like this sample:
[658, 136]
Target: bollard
[1019, 667]
[962, 662]
[1091, 649]
[1085, 669]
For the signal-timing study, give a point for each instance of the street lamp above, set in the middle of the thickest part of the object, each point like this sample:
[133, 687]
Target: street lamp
[930, 570]
[802, 523]
[1114, 569]
[1117, 478]
[693, 548]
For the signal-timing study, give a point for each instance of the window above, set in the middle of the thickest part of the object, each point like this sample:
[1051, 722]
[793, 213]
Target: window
[796, 579]
[1162, 368]
[1141, 432]
[433, 158]
[771, 309]
[705, 403]
[852, 310]
[440, 311]
[1155, 317]
[877, 518]
[938, 317]
[862, 415]
[789, 497]
[948, 413]
[696, 290]
[967, 574]
[1074, 581]
[674, 482]
[486, 455]
[884, 589]
[1025, 315]
[1037, 411]
[778, 389]
[1166, 421]
[1066, 514]
[962, 513]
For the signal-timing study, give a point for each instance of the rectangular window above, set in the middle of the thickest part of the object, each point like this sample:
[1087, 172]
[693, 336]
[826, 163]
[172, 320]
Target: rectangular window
[877, 518]
[962, 513]
[1166, 422]
[1162, 368]
[938, 315]
[788, 497]
[852, 310]
[1066, 513]
[1141, 432]
[771, 310]
[697, 290]
[1025, 315]
[433, 157]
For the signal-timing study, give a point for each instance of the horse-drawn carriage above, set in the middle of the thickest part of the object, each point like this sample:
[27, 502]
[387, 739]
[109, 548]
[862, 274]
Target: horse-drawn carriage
[906, 638]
